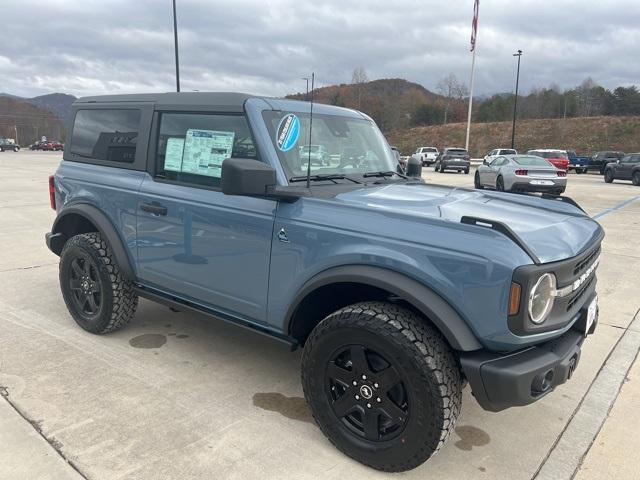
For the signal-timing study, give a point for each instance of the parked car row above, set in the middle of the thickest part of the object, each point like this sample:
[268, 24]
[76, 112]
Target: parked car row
[48, 145]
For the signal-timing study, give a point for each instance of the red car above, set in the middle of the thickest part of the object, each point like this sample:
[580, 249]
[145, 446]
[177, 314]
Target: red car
[49, 145]
[558, 158]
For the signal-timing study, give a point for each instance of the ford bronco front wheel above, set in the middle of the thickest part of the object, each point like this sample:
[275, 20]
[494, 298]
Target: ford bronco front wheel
[382, 385]
[98, 297]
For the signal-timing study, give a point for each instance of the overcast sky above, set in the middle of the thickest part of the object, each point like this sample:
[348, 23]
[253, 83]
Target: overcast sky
[87, 47]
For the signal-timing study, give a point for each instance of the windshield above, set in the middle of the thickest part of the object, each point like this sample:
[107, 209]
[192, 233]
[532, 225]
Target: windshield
[555, 154]
[429, 150]
[532, 161]
[457, 151]
[508, 152]
[342, 145]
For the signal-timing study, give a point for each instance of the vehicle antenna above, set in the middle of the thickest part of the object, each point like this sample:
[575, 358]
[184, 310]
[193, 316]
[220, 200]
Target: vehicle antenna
[313, 75]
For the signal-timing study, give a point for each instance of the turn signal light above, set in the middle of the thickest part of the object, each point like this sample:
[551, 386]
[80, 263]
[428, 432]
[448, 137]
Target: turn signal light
[514, 298]
[522, 172]
[562, 173]
[52, 192]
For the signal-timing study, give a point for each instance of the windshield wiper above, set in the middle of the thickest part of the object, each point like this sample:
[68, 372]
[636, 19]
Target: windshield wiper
[383, 173]
[322, 177]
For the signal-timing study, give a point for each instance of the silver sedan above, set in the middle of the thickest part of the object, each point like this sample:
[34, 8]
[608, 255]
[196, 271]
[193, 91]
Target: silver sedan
[521, 173]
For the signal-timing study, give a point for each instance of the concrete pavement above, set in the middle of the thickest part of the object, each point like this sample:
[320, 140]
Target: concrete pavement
[183, 396]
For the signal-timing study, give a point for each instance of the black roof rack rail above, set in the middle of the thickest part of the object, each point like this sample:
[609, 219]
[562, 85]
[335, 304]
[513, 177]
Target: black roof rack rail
[561, 198]
[505, 230]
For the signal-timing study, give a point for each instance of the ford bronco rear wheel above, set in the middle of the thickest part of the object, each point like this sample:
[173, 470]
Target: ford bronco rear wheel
[382, 385]
[97, 296]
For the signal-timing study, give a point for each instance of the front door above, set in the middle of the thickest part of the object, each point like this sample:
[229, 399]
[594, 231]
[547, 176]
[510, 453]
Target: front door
[193, 241]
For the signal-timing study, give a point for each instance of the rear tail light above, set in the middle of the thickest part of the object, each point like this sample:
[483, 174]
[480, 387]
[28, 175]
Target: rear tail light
[522, 172]
[52, 192]
[562, 174]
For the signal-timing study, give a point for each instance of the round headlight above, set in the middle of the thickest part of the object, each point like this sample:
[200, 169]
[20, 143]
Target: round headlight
[542, 297]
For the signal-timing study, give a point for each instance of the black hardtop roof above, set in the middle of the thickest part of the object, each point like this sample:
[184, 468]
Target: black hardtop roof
[230, 99]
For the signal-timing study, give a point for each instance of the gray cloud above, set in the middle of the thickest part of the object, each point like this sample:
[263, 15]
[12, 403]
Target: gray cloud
[259, 46]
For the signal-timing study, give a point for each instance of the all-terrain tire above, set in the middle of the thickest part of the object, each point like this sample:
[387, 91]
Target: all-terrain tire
[116, 300]
[422, 361]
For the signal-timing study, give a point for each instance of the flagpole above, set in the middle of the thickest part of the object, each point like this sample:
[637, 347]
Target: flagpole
[473, 69]
[474, 44]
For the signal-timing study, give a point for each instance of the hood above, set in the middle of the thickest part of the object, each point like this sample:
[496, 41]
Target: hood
[552, 230]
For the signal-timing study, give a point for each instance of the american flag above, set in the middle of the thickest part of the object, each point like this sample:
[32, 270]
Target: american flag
[474, 24]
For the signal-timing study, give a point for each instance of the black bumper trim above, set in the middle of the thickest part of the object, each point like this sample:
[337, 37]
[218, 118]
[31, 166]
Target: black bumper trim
[55, 242]
[500, 381]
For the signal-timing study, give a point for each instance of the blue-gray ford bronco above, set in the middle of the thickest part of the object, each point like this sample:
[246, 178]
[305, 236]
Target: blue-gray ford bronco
[401, 292]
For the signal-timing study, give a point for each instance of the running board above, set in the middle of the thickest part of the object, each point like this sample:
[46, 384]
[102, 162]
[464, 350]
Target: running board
[503, 229]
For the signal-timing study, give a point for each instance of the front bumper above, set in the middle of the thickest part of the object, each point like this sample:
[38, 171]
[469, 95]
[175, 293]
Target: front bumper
[500, 381]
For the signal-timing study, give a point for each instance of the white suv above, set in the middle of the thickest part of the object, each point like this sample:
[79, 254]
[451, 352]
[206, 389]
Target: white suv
[427, 155]
[493, 154]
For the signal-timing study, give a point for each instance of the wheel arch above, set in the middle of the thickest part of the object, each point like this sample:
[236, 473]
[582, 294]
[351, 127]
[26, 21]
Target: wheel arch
[85, 218]
[325, 293]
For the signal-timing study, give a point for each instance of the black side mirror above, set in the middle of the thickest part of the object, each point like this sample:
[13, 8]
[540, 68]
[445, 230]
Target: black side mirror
[243, 176]
[414, 168]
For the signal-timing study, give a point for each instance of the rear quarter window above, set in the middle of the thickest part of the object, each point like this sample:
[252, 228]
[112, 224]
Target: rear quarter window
[109, 135]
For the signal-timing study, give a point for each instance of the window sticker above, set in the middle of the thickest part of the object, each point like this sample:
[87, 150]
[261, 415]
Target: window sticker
[205, 150]
[288, 132]
[173, 155]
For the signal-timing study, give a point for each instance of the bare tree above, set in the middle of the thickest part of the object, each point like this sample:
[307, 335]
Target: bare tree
[358, 78]
[452, 89]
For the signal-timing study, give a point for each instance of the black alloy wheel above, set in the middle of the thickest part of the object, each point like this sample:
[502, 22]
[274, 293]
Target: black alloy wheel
[367, 393]
[85, 286]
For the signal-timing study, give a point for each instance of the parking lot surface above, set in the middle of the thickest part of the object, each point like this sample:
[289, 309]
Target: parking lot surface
[178, 395]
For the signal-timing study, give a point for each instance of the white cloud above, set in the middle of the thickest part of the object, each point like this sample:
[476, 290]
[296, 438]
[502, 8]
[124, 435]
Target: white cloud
[262, 46]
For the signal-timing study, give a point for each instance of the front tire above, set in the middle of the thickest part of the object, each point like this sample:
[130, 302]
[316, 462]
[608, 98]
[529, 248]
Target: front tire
[636, 179]
[476, 181]
[500, 184]
[382, 384]
[98, 297]
[608, 176]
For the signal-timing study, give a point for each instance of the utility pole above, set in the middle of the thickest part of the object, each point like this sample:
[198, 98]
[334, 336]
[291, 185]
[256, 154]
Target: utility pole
[306, 97]
[515, 101]
[175, 41]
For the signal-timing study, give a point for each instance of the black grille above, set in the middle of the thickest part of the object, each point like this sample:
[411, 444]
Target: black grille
[584, 264]
[580, 293]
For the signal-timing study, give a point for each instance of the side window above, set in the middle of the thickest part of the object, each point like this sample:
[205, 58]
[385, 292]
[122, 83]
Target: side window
[192, 146]
[635, 158]
[626, 159]
[106, 134]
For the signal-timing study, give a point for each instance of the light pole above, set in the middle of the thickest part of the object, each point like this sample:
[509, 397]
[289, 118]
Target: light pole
[306, 97]
[175, 41]
[515, 101]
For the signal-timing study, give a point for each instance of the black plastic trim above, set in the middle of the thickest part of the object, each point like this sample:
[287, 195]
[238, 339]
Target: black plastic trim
[183, 304]
[563, 198]
[504, 229]
[421, 297]
[502, 381]
[104, 226]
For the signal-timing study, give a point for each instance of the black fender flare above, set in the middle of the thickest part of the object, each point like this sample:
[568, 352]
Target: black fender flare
[421, 297]
[58, 236]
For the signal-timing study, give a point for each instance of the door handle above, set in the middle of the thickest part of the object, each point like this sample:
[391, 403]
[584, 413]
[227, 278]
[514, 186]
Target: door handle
[153, 209]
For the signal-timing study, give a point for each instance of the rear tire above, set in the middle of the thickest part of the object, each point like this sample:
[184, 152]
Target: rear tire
[608, 176]
[407, 392]
[636, 179]
[98, 297]
[466, 171]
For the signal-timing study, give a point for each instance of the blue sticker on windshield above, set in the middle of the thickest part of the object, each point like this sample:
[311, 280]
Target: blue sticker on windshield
[288, 132]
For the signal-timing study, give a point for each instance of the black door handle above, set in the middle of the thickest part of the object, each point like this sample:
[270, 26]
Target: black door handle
[153, 209]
